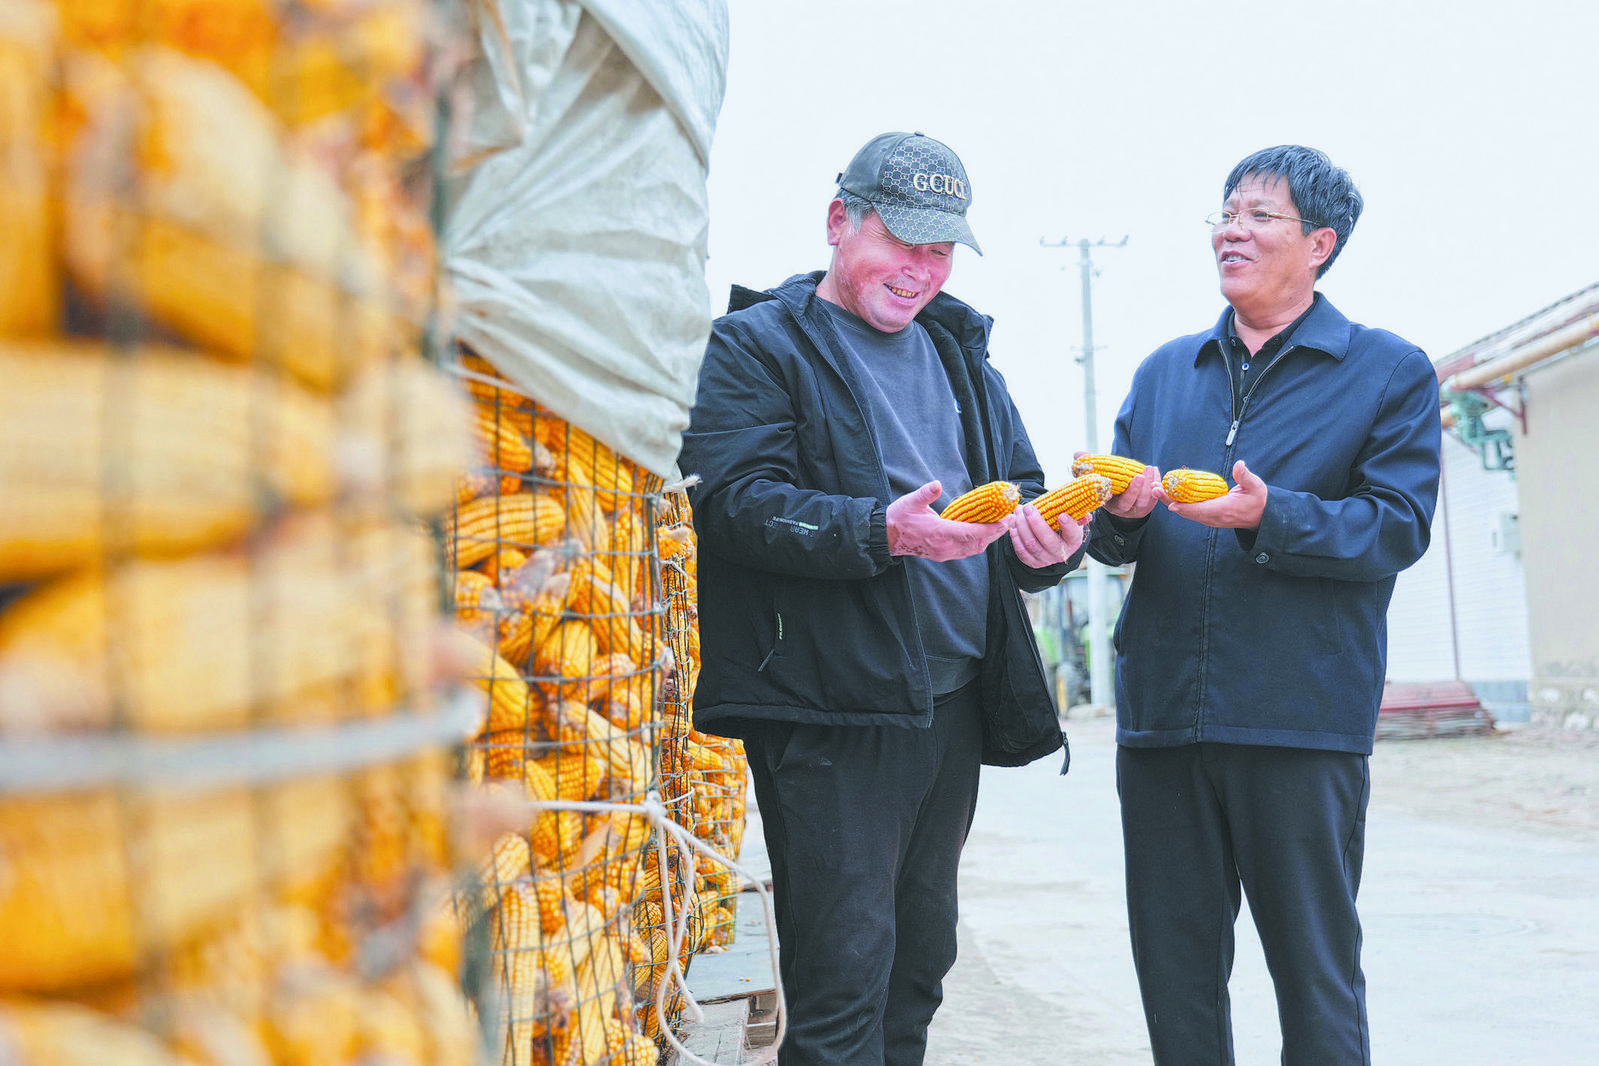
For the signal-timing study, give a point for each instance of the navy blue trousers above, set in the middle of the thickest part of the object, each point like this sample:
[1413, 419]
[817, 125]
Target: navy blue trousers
[864, 828]
[1287, 826]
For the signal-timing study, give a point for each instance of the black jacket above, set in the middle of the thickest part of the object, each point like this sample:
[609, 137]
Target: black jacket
[1273, 636]
[804, 616]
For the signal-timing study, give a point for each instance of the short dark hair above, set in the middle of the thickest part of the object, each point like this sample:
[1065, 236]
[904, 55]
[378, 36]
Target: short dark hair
[1324, 194]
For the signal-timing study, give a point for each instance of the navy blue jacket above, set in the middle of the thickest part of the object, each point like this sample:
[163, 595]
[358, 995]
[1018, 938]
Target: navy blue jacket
[1279, 635]
[804, 616]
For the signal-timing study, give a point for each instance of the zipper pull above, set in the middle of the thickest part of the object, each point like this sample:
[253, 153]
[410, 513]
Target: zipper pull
[1232, 432]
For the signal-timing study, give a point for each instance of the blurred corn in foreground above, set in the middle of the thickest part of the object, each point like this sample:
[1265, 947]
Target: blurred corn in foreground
[227, 734]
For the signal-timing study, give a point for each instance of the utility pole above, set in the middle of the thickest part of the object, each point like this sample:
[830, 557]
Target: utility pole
[1101, 685]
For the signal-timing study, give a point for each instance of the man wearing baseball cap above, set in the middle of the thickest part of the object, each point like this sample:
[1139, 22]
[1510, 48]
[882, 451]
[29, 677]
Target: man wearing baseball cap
[870, 653]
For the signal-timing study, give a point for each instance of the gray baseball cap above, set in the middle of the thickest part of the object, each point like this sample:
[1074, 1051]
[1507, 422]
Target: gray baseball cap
[917, 185]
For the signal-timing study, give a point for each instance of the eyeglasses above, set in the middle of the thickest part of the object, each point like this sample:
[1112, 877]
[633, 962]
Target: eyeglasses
[1250, 220]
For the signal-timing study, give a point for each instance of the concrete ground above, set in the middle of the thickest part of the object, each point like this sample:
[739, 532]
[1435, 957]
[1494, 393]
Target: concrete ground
[1480, 904]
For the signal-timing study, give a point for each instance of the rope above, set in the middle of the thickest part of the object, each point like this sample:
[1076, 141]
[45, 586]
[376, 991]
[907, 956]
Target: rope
[677, 928]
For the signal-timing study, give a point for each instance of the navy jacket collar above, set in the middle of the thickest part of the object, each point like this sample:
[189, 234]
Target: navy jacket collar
[1324, 329]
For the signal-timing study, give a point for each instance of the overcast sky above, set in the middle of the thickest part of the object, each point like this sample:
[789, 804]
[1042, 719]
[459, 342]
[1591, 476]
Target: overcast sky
[1467, 125]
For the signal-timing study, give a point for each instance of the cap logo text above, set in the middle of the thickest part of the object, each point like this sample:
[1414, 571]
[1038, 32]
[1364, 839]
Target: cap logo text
[944, 184]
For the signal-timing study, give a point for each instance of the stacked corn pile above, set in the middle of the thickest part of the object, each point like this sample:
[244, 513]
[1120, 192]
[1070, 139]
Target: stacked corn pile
[224, 748]
[574, 589]
[554, 592]
[702, 776]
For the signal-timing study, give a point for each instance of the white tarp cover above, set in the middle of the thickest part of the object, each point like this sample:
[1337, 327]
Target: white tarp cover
[577, 215]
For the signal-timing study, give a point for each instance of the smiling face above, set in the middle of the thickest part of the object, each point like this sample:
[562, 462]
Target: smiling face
[877, 277]
[1268, 271]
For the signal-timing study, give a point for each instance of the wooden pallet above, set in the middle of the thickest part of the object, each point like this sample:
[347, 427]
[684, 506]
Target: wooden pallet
[1415, 710]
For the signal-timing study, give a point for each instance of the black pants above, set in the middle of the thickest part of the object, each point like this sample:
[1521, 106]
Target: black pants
[1286, 824]
[864, 828]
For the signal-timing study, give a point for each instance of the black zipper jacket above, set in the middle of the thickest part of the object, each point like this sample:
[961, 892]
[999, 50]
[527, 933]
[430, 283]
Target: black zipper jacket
[804, 616]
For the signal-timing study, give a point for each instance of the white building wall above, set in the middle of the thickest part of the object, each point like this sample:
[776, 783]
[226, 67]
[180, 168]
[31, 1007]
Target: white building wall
[1486, 625]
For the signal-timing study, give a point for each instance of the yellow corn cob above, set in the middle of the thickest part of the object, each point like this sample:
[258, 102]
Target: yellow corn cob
[578, 728]
[608, 609]
[581, 1042]
[552, 902]
[511, 703]
[222, 228]
[29, 271]
[509, 859]
[475, 598]
[405, 434]
[498, 395]
[555, 843]
[1075, 499]
[500, 445]
[202, 642]
[985, 503]
[434, 997]
[602, 974]
[1193, 486]
[332, 58]
[192, 447]
[75, 911]
[529, 972]
[67, 1034]
[503, 562]
[577, 774]
[639, 1050]
[568, 653]
[1118, 469]
[483, 526]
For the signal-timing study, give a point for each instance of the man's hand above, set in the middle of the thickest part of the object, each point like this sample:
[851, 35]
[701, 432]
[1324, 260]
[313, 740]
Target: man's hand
[1241, 508]
[1139, 497]
[914, 528]
[1037, 544]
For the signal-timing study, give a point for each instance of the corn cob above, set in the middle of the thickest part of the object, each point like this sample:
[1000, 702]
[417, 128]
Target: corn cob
[508, 860]
[1193, 486]
[186, 230]
[483, 526]
[67, 1034]
[475, 598]
[554, 843]
[203, 641]
[511, 702]
[500, 445]
[497, 394]
[406, 434]
[1118, 469]
[639, 1050]
[75, 911]
[550, 895]
[577, 774]
[503, 562]
[1076, 499]
[29, 272]
[568, 655]
[193, 447]
[531, 975]
[985, 503]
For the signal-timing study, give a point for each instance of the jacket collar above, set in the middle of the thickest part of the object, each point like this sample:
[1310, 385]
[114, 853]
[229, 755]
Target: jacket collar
[1325, 329]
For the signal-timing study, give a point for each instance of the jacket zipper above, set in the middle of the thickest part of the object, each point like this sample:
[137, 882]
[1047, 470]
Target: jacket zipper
[1243, 405]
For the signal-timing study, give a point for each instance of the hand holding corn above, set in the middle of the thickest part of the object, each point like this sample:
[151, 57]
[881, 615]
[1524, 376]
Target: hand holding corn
[1134, 486]
[914, 528]
[1196, 499]
[1040, 541]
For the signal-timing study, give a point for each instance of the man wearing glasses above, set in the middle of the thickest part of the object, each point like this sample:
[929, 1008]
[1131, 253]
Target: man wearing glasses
[1252, 646]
